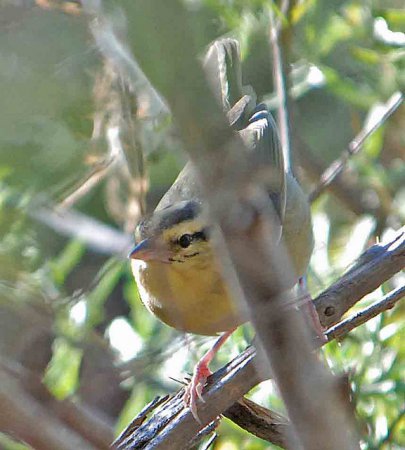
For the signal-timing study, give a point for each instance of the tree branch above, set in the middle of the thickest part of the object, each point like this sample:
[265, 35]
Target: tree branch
[22, 416]
[96, 235]
[389, 301]
[66, 414]
[337, 166]
[376, 265]
[260, 421]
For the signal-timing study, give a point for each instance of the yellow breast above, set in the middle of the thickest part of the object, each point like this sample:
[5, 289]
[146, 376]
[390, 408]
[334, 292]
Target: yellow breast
[192, 299]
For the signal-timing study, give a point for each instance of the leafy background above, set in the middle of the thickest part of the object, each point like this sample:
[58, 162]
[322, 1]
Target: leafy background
[70, 311]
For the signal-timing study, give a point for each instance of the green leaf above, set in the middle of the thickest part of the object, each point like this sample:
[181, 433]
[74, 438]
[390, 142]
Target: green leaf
[107, 279]
[7, 443]
[62, 265]
[62, 373]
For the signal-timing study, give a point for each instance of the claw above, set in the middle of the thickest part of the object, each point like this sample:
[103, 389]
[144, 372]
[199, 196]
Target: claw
[199, 389]
[195, 388]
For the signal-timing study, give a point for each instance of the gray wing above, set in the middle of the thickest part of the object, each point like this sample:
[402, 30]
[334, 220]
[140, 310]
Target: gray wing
[223, 70]
[262, 140]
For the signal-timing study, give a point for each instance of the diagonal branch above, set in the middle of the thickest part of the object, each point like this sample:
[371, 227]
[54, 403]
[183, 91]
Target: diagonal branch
[21, 415]
[337, 166]
[389, 301]
[376, 265]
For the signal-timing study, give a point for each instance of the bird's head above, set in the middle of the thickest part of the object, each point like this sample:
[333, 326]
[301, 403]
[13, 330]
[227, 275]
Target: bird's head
[176, 234]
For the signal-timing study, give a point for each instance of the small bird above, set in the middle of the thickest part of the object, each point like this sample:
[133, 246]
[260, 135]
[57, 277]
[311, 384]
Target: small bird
[174, 264]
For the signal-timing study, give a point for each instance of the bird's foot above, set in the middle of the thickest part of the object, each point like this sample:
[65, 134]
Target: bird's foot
[311, 312]
[315, 323]
[200, 375]
[196, 386]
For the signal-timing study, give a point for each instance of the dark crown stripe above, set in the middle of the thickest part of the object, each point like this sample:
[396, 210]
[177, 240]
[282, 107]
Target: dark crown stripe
[182, 213]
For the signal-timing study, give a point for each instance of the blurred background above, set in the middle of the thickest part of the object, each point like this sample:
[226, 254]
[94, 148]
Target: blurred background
[82, 156]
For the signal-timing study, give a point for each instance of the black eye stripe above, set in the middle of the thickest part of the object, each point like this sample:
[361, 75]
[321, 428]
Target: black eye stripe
[199, 235]
[186, 239]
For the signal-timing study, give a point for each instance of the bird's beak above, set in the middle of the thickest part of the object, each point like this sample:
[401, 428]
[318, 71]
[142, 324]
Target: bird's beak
[143, 251]
[147, 250]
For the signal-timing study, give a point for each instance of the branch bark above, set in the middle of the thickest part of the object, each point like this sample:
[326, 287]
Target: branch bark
[389, 301]
[378, 264]
[70, 421]
[19, 412]
[337, 166]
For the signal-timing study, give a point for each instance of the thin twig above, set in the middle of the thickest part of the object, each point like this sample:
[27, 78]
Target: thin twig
[337, 166]
[115, 51]
[96, 235]
[96, 174]
[363, 316]
[346, 188]
[207, 430]
[282, 110]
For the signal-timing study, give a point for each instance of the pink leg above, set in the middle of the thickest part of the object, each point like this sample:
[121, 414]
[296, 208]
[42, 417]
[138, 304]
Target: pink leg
[200, 375]
[311, 311]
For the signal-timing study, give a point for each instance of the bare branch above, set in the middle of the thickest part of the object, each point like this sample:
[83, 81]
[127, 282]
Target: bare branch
[279, 77]
[354, 147]
[378, 264]
[387, 302]
[96, 235]
[116, 52]
[24, 417]
[95, 175]
[173, 425]
[260, 421]
[345, 187]
[72, 414]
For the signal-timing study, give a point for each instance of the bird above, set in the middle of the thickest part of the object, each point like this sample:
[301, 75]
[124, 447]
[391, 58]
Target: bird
[174, 264]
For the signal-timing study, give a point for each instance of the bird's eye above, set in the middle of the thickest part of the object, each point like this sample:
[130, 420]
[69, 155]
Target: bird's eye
[185, 240]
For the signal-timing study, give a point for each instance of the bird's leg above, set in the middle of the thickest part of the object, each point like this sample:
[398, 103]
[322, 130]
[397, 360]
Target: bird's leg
[311, 311]
[200, 375]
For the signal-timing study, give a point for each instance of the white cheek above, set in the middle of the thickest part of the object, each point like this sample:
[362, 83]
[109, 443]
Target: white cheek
[138, 267]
